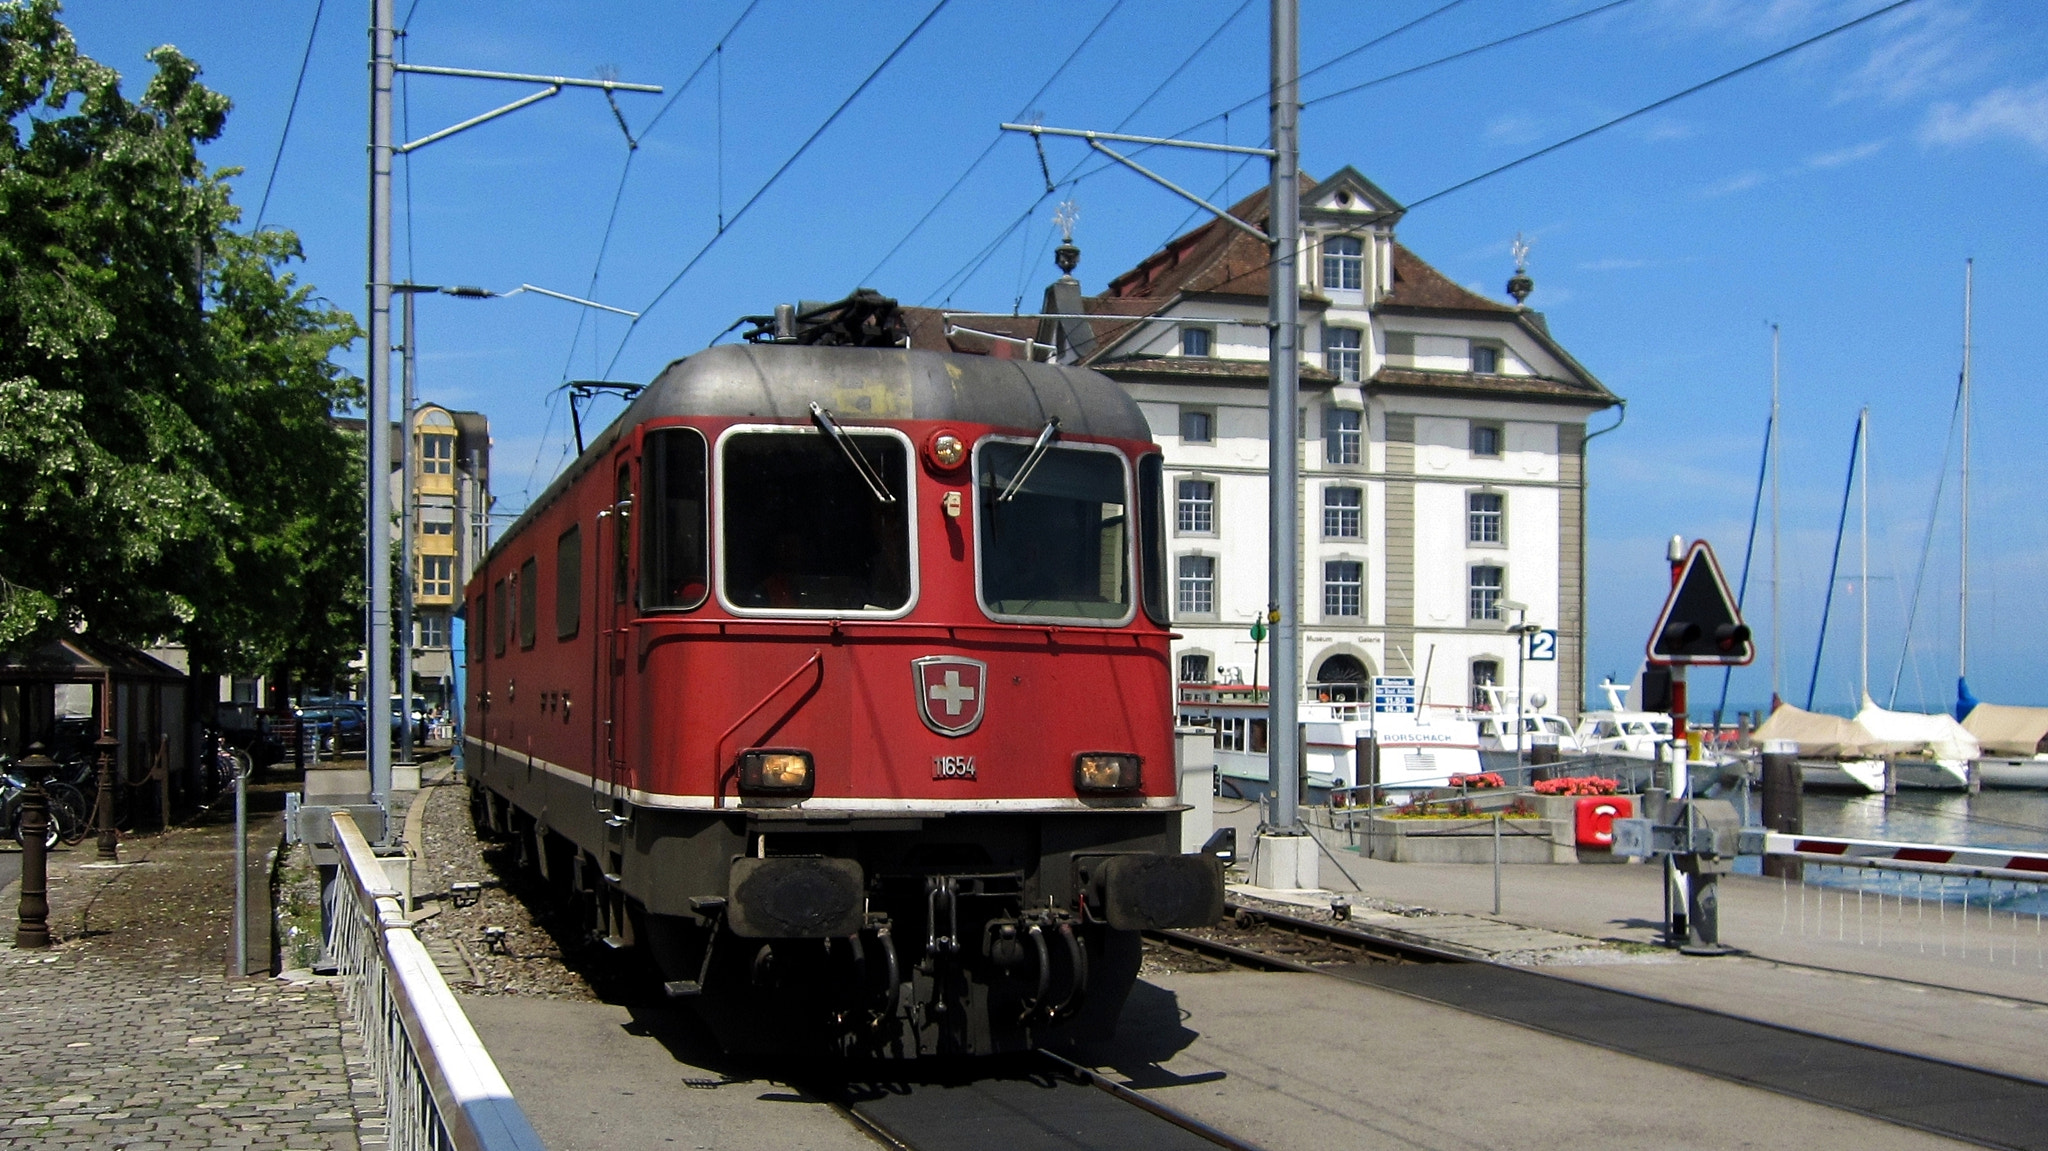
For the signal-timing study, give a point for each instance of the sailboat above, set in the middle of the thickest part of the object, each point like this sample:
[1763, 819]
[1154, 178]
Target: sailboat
[2014, 739]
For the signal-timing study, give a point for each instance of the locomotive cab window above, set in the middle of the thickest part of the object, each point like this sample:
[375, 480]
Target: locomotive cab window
[1055, 535]
[673, 574]
[801, 529]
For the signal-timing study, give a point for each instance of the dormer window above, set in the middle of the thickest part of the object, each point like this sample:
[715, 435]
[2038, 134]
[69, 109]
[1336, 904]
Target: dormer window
[1196, 341]
[1344, 264]
[1485, 359]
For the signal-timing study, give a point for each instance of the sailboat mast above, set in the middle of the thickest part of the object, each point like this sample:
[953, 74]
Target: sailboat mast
[1863, 576]
[1776, 436]
[1963, 623]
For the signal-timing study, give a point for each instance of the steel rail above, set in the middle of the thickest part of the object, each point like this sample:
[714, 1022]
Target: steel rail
[1124, 1094]
[1358, 937]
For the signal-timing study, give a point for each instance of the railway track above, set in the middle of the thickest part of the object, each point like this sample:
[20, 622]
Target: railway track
[1039, 1102]
[1987, 1108]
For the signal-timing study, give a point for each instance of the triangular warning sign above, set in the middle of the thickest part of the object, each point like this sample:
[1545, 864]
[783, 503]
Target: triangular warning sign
[1700, 623]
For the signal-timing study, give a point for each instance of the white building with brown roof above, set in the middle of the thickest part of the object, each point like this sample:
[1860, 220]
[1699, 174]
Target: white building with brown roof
[1442, 455]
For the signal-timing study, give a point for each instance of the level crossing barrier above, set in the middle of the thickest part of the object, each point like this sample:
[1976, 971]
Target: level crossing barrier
[440, 1089]
[1888, 855]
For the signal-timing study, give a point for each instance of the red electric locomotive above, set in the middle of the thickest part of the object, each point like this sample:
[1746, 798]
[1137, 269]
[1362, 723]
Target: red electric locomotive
[836, 676]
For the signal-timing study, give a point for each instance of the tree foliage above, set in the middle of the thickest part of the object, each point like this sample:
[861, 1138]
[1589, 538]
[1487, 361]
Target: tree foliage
[169, 468]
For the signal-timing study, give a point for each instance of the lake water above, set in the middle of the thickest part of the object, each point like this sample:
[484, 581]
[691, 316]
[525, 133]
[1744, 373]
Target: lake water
[2015, 819]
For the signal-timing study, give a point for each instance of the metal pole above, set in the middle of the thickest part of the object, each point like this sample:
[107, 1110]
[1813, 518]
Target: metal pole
[1963, 601]
[377, 577]
[241, 870]
[1777, 435]
[1283, 438]
[406, 577]
[1496, 863]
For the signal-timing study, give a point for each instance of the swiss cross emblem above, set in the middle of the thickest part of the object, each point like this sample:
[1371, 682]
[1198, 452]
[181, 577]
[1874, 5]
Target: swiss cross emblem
[951, 692]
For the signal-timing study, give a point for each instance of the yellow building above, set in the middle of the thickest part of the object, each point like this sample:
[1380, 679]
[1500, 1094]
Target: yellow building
[450, 506]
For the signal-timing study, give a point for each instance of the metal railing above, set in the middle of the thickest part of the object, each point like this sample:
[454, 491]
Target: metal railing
[440, 1089]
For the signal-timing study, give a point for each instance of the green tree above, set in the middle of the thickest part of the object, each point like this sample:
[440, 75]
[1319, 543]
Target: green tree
[168, 465]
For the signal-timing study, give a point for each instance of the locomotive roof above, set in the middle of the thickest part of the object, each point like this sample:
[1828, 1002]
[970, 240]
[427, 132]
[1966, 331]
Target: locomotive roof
[781, 381]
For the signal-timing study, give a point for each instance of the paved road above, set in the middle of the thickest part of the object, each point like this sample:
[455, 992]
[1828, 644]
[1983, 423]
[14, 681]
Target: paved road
[10, 870]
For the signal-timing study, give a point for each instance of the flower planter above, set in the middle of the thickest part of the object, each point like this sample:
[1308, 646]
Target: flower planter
[1466, 840]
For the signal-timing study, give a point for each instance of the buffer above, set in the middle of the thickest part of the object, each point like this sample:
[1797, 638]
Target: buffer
[1700, 623]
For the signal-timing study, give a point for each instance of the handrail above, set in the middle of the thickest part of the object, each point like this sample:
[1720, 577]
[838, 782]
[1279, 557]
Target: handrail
[816, 658]
[439, 1085]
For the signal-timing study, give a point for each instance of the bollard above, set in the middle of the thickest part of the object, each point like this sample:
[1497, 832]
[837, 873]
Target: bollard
[103, 806]
[1784, 805]
[32, 929]
[1542, 756]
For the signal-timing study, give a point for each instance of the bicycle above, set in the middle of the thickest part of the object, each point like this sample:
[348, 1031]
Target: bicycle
[67, 810]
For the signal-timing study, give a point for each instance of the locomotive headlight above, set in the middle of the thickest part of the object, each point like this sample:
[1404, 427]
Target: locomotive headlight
[775, 771]
[946, 451]
[1106, 771]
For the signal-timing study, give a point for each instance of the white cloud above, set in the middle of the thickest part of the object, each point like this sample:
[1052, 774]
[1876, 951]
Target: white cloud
[1924, 48]
[1513, 128]
[1739, 182]
[1615, 264]
[1841, 157]
[2013, 112]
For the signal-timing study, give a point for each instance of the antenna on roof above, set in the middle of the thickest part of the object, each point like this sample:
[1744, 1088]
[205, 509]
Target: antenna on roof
[1520, 285]
[1067, 255]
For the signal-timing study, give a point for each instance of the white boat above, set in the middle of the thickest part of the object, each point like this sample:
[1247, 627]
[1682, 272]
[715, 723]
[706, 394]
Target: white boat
[1927, 752]
[2014, 742]
[1833, 752]
[1498, 720]
[1617, 730]
[1415, 751]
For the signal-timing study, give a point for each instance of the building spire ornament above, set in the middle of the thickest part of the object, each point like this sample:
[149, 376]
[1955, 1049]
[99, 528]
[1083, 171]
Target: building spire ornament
[1067, 255]
[1519, 284]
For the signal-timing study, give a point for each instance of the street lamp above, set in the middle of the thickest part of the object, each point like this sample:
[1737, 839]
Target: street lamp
[406, 510]
[1521, 629]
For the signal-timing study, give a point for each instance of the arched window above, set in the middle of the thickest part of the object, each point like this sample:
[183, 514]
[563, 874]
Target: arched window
[1341, 679]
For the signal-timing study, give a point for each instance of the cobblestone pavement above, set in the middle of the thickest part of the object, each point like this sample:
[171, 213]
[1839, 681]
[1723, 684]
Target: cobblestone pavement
[128, 1033]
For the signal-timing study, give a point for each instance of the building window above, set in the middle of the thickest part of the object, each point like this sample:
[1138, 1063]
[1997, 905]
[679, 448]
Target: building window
[1343, 513]
[1197, 426]
[1485, 674]
[431, 631]
[1194, 668]
[1343, 589]
[1343, 263]
[1485, 359]
[1195, 508]
[430, 525]
[1195, 341]
[437, 576]
[1484, 592]
[1343, 433]
[1483, 513]
[1196, 586]
[1486, 439]
[437, 455]
[1340, 352]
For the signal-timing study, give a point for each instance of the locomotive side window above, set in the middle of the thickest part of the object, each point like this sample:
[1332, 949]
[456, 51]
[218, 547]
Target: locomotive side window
[479, 623]
[1152, 538]
[569, 583]
[622, 535]
[802, 531]
[498, 618]
[529, 601]
[1059, 547]
[672, 521]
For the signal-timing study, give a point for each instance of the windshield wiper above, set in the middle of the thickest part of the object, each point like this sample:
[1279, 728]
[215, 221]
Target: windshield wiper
[830, 427]
[1045, 439]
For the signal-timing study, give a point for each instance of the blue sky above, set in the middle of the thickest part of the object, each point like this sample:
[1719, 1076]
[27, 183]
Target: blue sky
[1836, 192]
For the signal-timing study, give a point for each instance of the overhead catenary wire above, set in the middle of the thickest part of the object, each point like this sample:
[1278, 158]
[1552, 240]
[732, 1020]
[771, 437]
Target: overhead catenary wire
[977, 162]
[1651, 107]
[290, 113]
[1260, 268]
[1472, 51]
[695, 259]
